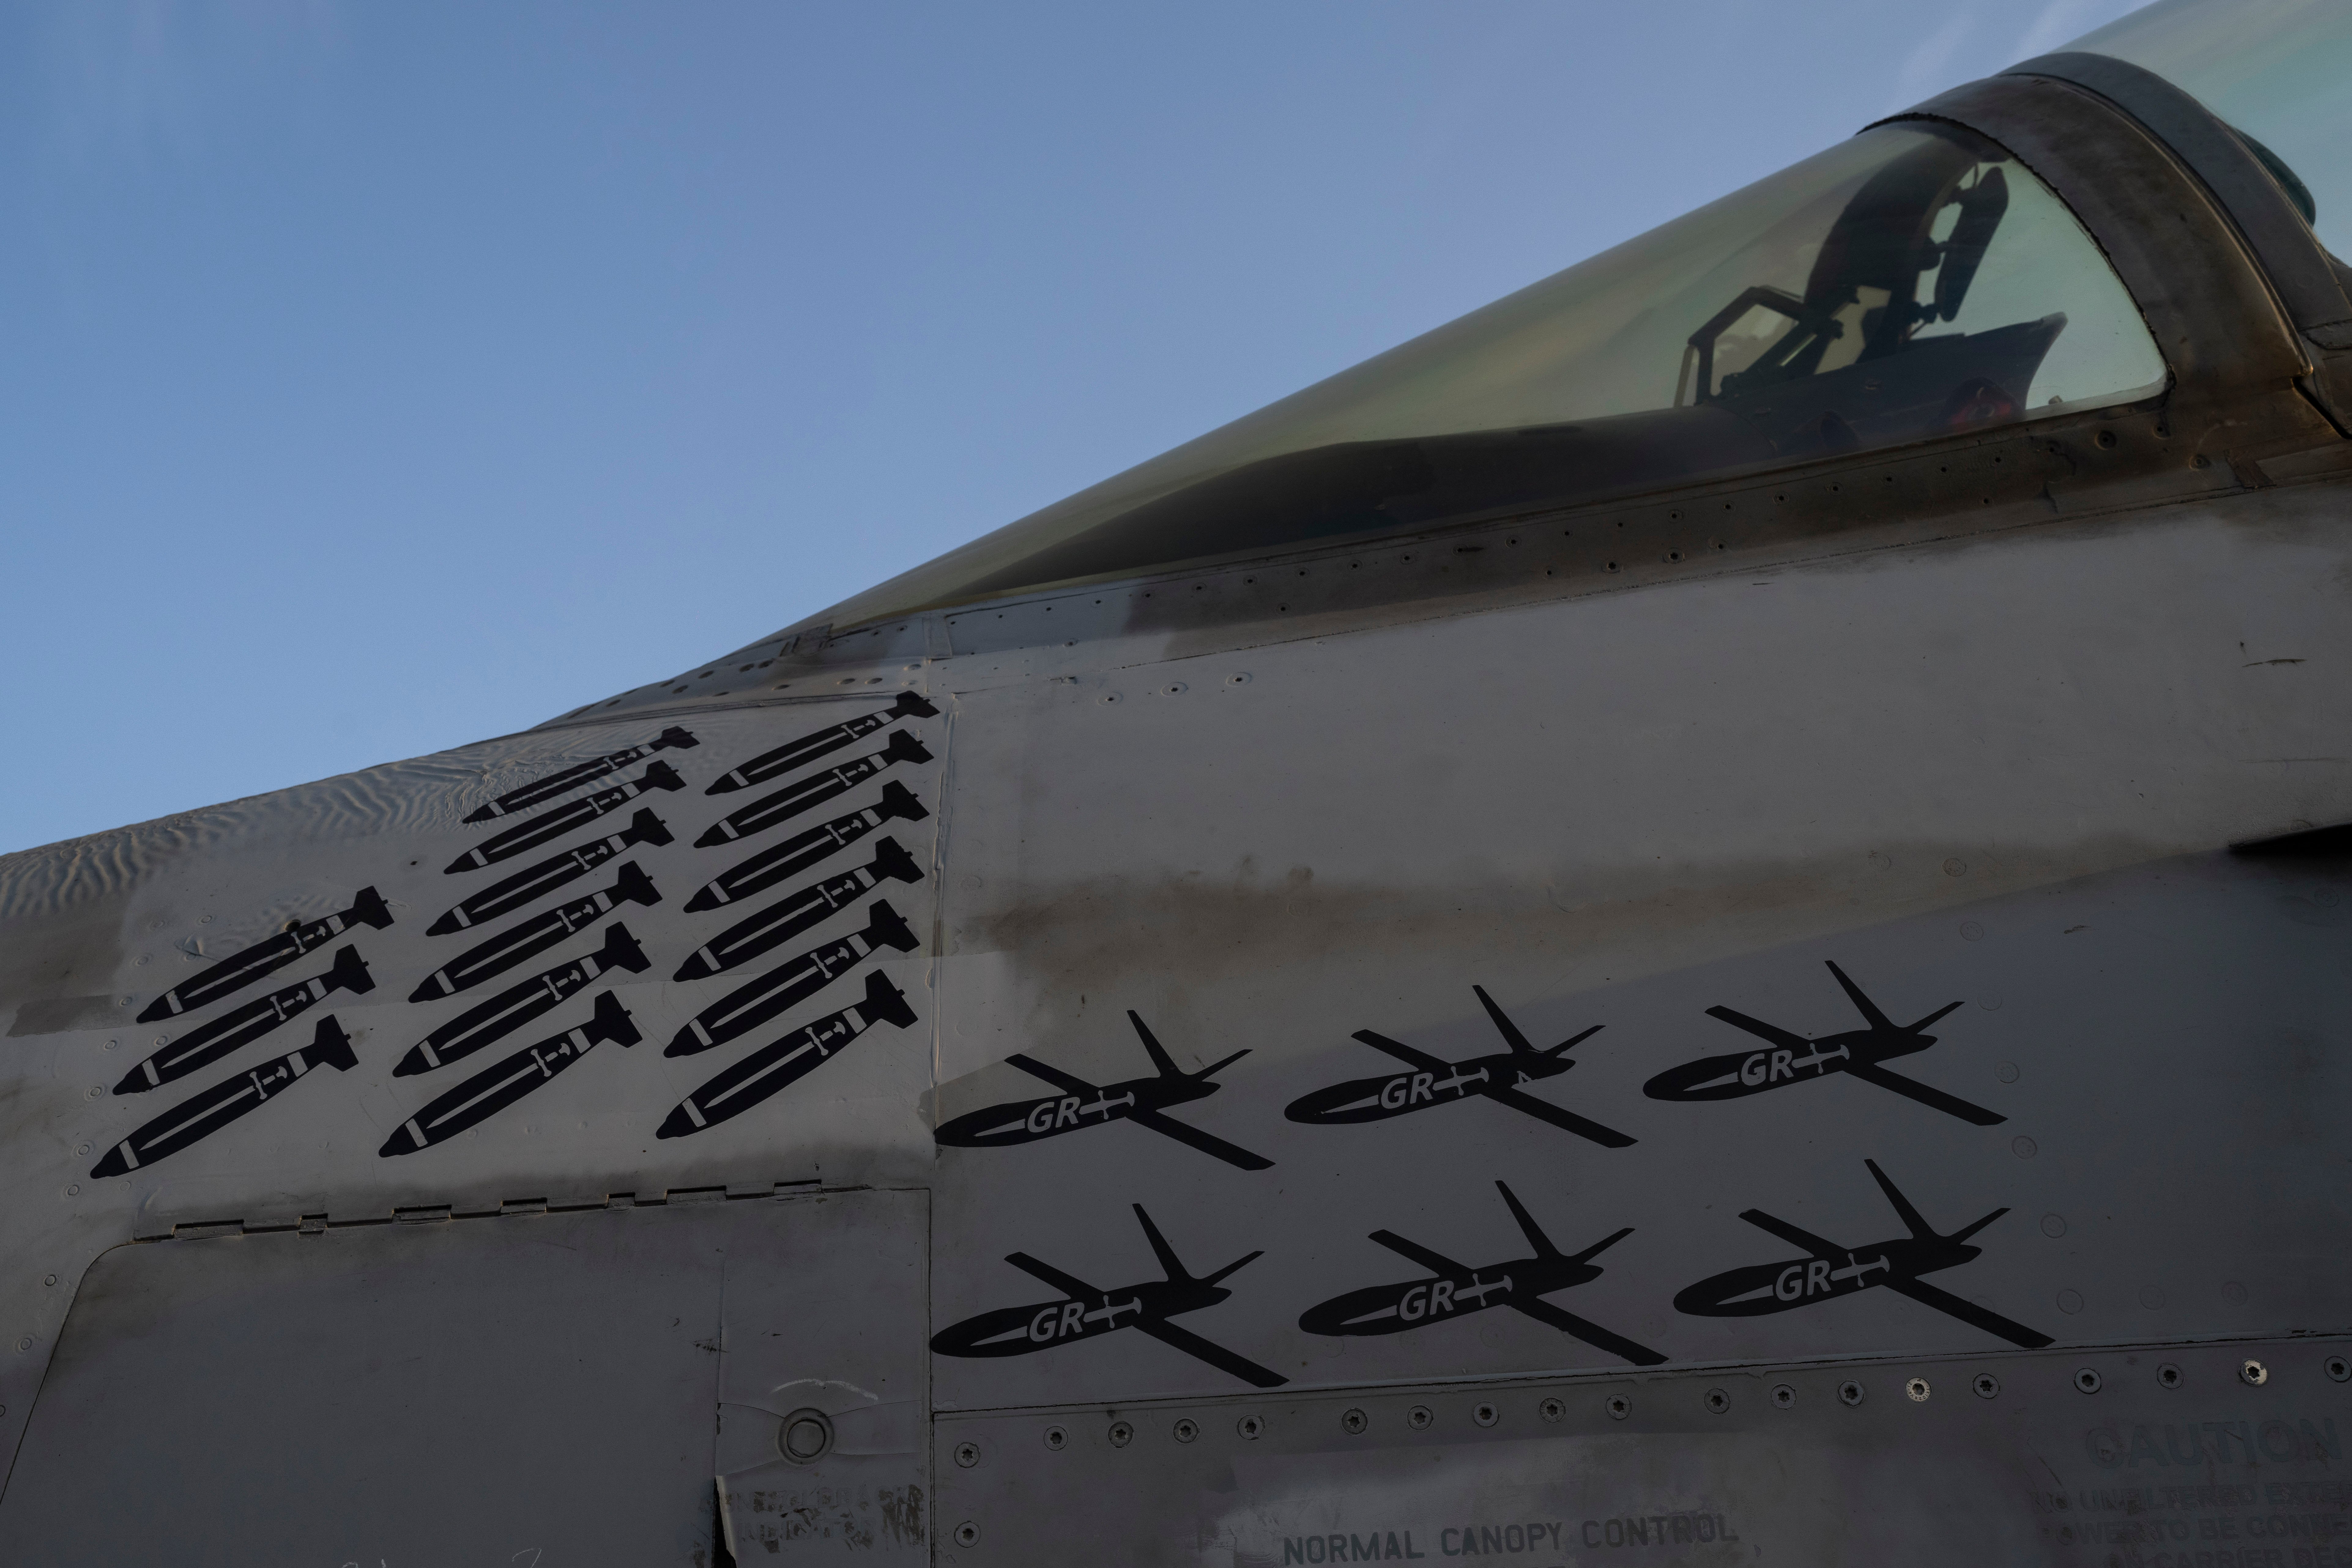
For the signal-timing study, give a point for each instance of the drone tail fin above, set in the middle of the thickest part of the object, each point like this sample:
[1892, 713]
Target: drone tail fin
[1169, 1264]
[1911, 1216]
[1967, 1231]
[1528, 1226]
[1161, 1061]
[1517, 1041]
[1863, 1005]
[1931, 1017]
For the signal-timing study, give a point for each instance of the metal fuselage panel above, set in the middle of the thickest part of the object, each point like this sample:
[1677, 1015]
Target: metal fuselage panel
[1999, 771]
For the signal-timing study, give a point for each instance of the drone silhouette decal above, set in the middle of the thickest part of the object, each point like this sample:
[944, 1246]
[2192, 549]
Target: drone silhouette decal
[1458, 1290]
[1828, 1271]
[1499, 1078]
[1140, 1100]
[1796, 1058]
[1083, 1311]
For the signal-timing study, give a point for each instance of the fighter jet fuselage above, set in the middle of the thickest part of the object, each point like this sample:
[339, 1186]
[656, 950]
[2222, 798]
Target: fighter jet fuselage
[1861, 671]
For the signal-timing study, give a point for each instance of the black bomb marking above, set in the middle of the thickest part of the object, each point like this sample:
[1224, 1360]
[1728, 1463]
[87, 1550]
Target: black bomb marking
[1085, 1313]
[579, 774]
[779, 1065]
[502, 1083]
[1498, 1077]
[791, 983]
[240, 1026]
[199, 1117]
[815, 790]
[781, 921]
[809, 748]
[536, 935]
[240, 970]
[502, 1014]
[1829, 1271]
[539, 830]
[1080, 1104]
[1798, 1060]
[534, 882]
[803, 850]
[1456, 1290]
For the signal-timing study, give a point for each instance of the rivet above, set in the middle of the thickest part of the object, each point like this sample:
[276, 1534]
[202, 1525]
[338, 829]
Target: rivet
[2254, 1373]
[1955, 868]
[2070, 1302]
[49, 1278]
[2005, 1072]
[2022, 1147]
[2053, 1225]
[1916, 1391]
[1971, 931]
[25, 1343]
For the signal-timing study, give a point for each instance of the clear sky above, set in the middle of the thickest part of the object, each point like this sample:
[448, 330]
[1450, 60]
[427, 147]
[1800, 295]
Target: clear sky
[377, 378]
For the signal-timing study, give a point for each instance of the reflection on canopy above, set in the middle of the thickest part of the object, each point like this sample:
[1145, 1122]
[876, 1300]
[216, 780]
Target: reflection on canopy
[1913, 282]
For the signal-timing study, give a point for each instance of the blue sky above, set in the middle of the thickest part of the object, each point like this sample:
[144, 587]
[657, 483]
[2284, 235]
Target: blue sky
[378, 378]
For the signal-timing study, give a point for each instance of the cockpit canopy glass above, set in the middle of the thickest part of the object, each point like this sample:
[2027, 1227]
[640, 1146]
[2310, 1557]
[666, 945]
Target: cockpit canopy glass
[1911, 282]
[2277, 71]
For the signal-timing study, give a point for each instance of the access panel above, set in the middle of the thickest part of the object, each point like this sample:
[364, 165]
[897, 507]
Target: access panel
[538, 1389]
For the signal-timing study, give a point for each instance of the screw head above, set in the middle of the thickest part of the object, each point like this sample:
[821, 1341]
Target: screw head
[1056, 1438]
[1916, 1391]
[1486, 1415]
[2254, 1373]
[1784, 1397]
[1250, 1426]
[2088, 1379]
[2168, 1376]
[1186, 1429]
[1986, 1385]
[51, 1279]
[1419, 1417]
[1718, 1401]
[1849, 1392]
[967, 1455]
[1552, 1409]
[967, 1534]
[1618, 1406]
[2339, 1369]
[1122, 1433]
[1354, 1422]
[806, 1436]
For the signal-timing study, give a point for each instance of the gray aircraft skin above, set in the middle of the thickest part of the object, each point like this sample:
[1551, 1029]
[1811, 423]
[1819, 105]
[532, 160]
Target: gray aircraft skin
[1893, 615]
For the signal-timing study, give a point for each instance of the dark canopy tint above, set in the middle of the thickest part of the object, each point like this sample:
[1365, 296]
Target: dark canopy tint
[1911, 282]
